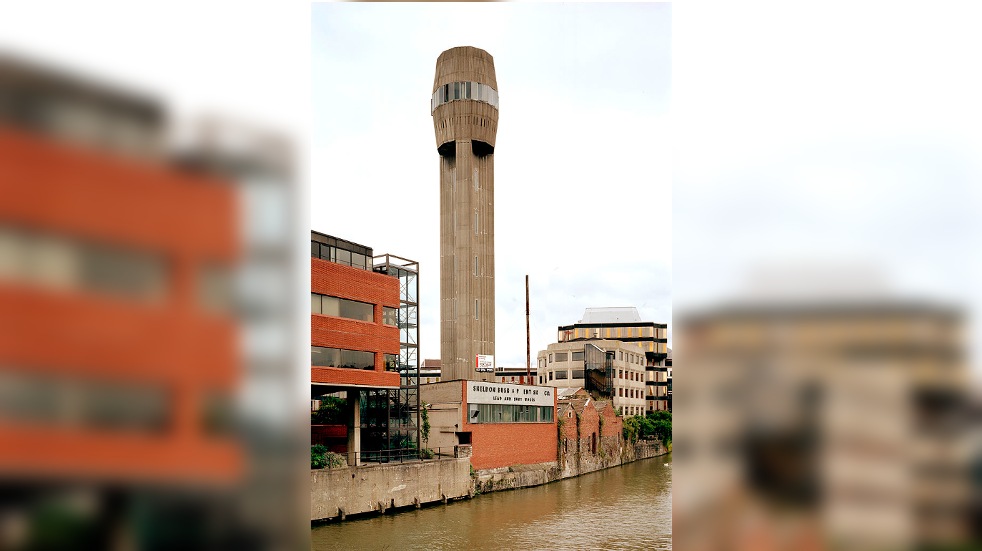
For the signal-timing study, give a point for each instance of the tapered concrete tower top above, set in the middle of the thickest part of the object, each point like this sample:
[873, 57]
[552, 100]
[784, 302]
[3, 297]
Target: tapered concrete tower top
[465, 73]
[464, 106]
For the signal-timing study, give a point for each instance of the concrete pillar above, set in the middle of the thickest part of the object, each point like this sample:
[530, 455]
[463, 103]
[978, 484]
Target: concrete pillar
[354, 427]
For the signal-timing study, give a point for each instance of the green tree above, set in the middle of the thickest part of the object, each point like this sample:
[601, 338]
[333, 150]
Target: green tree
[330, 412]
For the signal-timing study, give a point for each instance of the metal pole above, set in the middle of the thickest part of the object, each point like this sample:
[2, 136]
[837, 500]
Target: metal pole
[528, 340]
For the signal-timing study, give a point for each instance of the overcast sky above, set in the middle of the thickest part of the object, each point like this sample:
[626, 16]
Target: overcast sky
[849, 132]
[582, 159]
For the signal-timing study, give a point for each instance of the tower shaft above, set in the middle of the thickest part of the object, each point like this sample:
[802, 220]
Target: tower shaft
[465, 120]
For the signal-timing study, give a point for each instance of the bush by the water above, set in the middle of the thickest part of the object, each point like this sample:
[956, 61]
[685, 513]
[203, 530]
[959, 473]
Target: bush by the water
[321, 458]
[655, 425]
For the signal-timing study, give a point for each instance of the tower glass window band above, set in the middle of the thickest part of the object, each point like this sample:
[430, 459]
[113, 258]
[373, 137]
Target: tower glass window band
[464, 90]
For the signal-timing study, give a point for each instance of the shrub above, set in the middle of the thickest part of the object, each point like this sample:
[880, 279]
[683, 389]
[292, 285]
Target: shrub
[632, 428]
[335, 460]
[321, 458]
[317, 459]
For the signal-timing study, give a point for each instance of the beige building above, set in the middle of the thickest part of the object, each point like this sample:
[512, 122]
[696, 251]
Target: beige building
[429, 372]
[614, 368]
[644, 341]
[464, 107]
[854, 413]
[617, 323]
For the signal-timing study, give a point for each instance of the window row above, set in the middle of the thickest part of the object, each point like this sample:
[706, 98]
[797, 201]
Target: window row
[340, 256]
[565, 374]
[321, 356]
[342, 308]
[57, 262]
[508, 413]
[611, 333]
[629, 393]
[630, 375]
[463, 90]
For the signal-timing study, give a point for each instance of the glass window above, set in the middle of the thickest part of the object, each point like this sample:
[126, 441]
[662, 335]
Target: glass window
[358, 260]
[562, 374]
[577, 373]
[561, 356]
[315, 303]
[356, 359]
[392, 362]
[390, 316]
[550, 358]
[326, 357]
[550, 375]
[476, 309]
[330, 306]
[577, 356]
[467, 90]
[315, 249]
[456, 90]
[343, 257]
[361, 311]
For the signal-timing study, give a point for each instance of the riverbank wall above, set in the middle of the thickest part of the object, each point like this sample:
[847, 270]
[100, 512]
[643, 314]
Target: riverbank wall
[339, 492]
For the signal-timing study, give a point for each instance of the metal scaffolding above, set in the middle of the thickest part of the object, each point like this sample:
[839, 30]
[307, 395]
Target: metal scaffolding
[403, 417]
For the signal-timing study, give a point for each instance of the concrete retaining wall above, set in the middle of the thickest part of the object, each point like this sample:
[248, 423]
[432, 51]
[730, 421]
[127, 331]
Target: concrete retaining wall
[336, 493]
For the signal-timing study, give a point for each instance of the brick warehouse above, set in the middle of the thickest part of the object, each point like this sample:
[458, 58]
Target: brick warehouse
[504, 424]
[361, 346]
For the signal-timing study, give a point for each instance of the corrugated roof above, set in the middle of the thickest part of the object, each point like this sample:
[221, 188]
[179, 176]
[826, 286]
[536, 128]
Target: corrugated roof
[616, 314]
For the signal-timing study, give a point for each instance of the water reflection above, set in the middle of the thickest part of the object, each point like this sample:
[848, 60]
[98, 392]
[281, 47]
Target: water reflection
[627, 507]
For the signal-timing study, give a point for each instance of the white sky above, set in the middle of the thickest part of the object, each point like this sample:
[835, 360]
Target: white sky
[842, 130]
[582, 159]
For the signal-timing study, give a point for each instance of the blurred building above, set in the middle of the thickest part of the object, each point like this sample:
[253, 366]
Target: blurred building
[363, 341]
[119, 341]
[840, 424]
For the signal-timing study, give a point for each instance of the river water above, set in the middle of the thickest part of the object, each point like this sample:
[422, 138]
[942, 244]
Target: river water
[627, 507]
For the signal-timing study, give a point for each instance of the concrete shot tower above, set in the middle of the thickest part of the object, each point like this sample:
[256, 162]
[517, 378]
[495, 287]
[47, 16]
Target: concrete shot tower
[465, 118]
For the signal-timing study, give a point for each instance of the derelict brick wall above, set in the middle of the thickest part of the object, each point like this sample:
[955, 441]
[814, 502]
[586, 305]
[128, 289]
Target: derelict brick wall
[589, 424]
[613, 425]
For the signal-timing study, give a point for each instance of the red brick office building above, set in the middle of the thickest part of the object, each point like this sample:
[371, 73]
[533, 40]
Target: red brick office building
[359, 347]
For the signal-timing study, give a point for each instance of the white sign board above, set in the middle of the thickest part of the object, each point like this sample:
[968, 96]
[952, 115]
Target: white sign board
[498, 393]
[484, 363]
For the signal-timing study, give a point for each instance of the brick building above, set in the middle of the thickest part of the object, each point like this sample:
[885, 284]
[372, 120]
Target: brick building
[116, 356]
[591, 435]
[505, 424]
[362, 343]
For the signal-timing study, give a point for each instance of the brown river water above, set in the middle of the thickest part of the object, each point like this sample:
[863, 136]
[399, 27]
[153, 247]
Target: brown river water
[626, 507]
